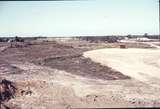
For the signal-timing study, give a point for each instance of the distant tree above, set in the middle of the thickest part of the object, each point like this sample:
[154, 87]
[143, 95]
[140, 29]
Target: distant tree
[145, 34]
[129, 36]
[18, 39]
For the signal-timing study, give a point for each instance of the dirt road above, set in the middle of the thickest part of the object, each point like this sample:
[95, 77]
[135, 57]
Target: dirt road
[141, 64]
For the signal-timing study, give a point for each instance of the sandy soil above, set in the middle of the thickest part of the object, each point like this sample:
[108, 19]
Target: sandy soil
[141, 64]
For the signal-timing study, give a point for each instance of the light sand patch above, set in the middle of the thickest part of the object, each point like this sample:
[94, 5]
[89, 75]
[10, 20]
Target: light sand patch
[131, 62]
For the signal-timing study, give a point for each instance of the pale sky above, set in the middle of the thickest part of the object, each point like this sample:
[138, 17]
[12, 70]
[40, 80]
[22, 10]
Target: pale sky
[74, 18]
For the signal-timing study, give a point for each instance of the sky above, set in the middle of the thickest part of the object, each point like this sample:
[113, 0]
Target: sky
[78, 18]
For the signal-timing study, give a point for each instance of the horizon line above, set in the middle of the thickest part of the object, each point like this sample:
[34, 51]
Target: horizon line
[66, 36]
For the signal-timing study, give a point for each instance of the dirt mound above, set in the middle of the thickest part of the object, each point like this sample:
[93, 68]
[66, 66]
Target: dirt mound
[7, 90]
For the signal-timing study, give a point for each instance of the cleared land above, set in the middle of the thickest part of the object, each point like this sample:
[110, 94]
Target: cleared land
[56, 75]
[136, 63]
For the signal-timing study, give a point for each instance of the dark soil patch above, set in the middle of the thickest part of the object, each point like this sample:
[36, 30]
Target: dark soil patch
[36, 51]
[59, 56]
[7, 90]
[82, 66]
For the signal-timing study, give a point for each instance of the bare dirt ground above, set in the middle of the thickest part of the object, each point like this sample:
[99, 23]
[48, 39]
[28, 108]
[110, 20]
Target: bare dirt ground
[58, 76]
[140, 64]
[144, 61]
